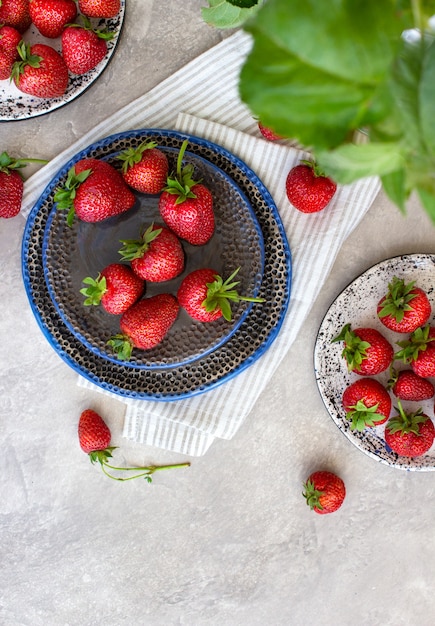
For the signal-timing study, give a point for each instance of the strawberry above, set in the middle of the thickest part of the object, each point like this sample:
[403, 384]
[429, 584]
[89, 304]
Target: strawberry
[9, 40]
[206, 296]
[145, 168]
[94, 191]
[15, 13]
[186, 206]
[83, 47]
[308, 189]
[404, 307]
[409, 434]
[41, 72]
[145, 324]
[268, 133]
[366, 350]
[116, 288]
[157, 256]
[419, 351]
[100, 8]
[406, 385]
[367, 403]
[324, 492]
[11, 184]
[51, 16]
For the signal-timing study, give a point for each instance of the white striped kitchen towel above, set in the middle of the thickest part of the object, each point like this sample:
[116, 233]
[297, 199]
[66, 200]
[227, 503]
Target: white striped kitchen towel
[202, 99]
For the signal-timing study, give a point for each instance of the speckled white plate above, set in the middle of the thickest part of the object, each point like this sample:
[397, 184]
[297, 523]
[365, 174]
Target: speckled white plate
[357, 305]
[16, 105]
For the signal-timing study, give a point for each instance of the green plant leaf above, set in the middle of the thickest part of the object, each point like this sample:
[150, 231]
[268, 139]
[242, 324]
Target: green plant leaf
[226, 14]
[394, 184]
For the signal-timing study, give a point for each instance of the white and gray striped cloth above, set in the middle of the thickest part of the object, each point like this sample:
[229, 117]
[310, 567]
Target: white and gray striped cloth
[202, 99]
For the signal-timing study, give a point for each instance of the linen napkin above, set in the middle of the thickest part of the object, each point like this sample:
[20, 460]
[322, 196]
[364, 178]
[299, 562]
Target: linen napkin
[202, 99]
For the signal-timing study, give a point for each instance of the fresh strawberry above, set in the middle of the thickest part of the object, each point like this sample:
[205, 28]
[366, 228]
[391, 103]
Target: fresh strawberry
[11, 184]
[268, 133]
[186, 206]
[404, 307]
[15, 13]
[94, 191]
[206, 296]
[324, 492]
[406, 385]
[41, 72]
[145, 168]
[145, 324]
[367, 403]
[419, 351]
[366, 350]
[100, 8]
[9, 40]
[116, 288]
[409, 434]
[51, 16]
[94, 434]
[83, 47]
[157, 256]
[308, 189]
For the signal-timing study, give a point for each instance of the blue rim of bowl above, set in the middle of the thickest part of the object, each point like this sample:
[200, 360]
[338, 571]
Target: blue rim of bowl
[49, 321]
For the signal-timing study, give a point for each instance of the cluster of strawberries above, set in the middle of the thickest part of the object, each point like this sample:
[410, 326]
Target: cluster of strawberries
[404, 309]
[39, 69]
[95, 190]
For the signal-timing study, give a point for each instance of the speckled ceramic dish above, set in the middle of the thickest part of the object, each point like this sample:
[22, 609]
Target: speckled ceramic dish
[72, 253]
[357, 305]
[250, 340]
[16, 105]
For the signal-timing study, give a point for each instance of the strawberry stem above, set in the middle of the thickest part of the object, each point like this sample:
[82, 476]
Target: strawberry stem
[145, 472]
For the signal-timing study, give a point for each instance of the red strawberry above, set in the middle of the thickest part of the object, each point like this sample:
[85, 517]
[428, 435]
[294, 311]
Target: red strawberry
[366, 350]
[51, 16]
[324, 492]
[409, 434]
[94, 191]
[406, 385]
[186, 206]
[15, 13]
[206, 296]
[94, 434]
[404, 307]
[419, 351]
[11, 184]
[308, 189]
[100, 8]
[145, 168]
[145, 324]
[157, 256]
[83, 47]
[41, 72]
[367, 403]
[116, 288]
[9, 40]
[268, 133]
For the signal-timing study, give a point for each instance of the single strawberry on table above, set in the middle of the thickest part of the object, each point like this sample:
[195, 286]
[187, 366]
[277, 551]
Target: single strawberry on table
[9, 39]
[206, 296]
[116, 288]
[409, 434]
[404, 307]
[418, 351]
[145, 324]
[406, 385]
[366, 351]
[94, 191]
[157, 256]
[99, 8]
[186, 205]
[367, 403]
[308, 189]
[15, 13]
[83, 46]
[145, 168]
[51, 16]
[40, 72]
[324, 492]
[12, 184]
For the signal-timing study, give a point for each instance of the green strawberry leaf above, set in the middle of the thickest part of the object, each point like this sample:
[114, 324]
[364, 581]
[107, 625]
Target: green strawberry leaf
[229, 14]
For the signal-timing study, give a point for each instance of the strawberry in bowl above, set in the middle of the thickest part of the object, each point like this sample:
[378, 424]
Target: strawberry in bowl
[366, 351]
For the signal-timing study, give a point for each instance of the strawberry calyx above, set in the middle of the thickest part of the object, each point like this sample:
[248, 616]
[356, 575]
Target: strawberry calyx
[361, 416]
[417, 342]
[121, 346]
[136, 248]
[355, 349]
[312, 495]
[27, 58]
[317, 172]
[9, 164]
[181, 182]
[397, 299]
[96, 289]
[220, 293]
[64, 196]
[86, 25]
[405, 423]
[133, 156]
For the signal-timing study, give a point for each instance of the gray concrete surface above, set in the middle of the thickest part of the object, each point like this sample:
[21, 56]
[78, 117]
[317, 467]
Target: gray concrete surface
[229, 541]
